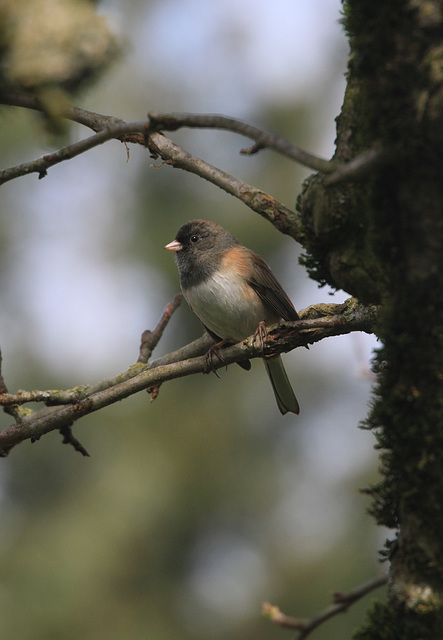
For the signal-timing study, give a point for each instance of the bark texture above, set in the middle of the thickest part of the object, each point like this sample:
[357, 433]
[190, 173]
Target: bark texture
[381, 239]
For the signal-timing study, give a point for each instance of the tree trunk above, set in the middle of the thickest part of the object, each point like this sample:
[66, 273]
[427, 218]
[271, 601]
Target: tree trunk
[381, 239]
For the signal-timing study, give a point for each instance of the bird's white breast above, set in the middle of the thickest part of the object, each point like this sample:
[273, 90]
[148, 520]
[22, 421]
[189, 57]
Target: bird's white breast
[227, 306]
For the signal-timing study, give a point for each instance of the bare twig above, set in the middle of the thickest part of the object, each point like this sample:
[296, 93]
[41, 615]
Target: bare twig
[42, 164]
[69, 438]
[110, 127]
[3, 387]
[277, 213]
[341, 602]
[174, 121]
[54, 398]
[144, 133]
[95, 121]
[12, 408]
[150, 339]
[263, 139]
[350, 316]
[358, 168]
[11, 403]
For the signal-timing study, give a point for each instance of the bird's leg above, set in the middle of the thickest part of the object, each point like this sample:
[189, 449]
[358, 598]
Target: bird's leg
[261, 333]
[214, 349]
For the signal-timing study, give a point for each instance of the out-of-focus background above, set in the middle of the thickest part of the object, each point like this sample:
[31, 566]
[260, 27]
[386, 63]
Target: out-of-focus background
[195, 509]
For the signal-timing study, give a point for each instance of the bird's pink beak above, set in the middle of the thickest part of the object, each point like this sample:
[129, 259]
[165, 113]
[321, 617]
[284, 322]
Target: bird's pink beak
[175, 245]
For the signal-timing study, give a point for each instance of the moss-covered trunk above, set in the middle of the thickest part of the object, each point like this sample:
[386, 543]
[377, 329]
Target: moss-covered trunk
[381, 239]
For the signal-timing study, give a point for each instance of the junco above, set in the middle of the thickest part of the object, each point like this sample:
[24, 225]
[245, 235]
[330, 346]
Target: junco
[233, 292]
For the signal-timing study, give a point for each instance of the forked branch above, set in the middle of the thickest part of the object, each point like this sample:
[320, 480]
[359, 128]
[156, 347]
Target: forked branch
[63, 408]
[110, 127]
[341, 603]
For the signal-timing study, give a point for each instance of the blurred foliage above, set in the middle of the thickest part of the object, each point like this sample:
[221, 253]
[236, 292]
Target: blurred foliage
[195, 509]
[51, 46]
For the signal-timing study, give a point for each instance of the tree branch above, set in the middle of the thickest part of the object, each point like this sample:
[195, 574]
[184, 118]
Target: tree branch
[42, 164]
[318, 322]
[3, 387]
[174, 121]
[341, 603]
[271, 209]
[90, 119]
[150, 339]
[110, 127]
[12, 408]
[358, 168]
[65, 406]
[145, 133]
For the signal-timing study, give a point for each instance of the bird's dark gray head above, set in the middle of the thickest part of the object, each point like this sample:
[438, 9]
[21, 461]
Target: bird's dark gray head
[198, 245]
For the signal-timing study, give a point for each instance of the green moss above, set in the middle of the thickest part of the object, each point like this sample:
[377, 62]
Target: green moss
[337, 239]
[395, 99]
[388, 622]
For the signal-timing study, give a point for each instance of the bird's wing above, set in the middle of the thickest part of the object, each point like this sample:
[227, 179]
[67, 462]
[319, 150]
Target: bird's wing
[266, 285]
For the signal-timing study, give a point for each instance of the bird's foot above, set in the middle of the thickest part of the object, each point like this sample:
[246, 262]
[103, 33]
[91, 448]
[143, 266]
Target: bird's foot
[209, 357]
[261, 334]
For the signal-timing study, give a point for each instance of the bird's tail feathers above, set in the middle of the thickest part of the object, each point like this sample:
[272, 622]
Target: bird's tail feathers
[283, 392]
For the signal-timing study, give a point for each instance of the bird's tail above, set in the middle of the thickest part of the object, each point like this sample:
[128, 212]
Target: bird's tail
[284, 394]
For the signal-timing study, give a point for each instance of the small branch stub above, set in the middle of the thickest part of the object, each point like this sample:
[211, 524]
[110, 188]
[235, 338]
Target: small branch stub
[341, 603]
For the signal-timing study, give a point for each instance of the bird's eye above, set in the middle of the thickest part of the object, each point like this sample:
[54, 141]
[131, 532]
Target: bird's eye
[194, 239]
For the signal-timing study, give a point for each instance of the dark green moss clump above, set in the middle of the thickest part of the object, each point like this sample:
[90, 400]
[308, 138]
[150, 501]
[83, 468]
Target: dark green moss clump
[388, 622]
[381, 239]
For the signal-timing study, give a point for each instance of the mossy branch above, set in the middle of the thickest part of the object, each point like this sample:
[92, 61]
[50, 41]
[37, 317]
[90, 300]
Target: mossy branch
[316, 323]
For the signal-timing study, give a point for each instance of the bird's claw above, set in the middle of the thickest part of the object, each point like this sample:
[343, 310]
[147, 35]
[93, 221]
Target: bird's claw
[261, 334]
[209, 357]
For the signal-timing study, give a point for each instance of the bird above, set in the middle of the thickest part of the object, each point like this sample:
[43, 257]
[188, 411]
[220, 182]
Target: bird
[234, 293]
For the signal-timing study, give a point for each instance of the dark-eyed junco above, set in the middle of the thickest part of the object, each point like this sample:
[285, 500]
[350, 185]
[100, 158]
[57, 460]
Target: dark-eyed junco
[233, 291]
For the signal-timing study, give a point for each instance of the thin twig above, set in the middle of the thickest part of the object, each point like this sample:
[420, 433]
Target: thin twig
[11, 404]
[11, 408]
[358, 168]
[150, 339]
[3, 387]
[263, 139]
[144, 133]
[278, 214]
[174, 121]
[341, 602]
[69, 438]
[90, 119]
[42, 164]
[130, 132]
